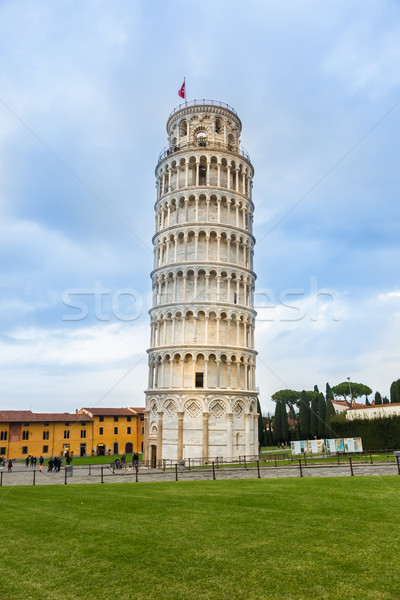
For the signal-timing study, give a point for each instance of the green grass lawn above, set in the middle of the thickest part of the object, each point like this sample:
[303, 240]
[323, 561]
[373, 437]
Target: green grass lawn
[293, 539]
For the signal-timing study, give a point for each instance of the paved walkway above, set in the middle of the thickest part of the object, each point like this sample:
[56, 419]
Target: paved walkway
[22, 475]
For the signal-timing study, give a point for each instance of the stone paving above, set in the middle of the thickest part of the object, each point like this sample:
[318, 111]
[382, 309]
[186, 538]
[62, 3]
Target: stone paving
[22, 475]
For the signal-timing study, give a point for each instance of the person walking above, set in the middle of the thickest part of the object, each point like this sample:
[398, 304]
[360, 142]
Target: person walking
[41, 461]
[10, 465]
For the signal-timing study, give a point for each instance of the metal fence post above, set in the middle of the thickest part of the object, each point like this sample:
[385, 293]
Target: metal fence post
[276, 464]
[102, 477]
[213, 467]
[90, 469]
[34, 477]
[397, 460]
[244, 462]
[370, 457]
[137, 473]
[176, 471]
[258, 469]
[351, 467]
[65, 477]
[301, 470]
[1, 478]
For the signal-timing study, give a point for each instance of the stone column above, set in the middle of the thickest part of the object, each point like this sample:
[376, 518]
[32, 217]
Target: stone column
[229, 422]
[255, 433]
[180, 436]
[159, 435]
[247, 433]
[146, 449]
[205, 450]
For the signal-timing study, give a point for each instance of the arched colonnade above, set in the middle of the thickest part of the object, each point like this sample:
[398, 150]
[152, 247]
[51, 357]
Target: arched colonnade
[203, 284]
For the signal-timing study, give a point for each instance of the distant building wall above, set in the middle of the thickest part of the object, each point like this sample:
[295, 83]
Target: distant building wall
[373, 412]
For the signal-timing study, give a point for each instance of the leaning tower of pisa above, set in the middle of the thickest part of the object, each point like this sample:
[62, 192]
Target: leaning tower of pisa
[201, 400]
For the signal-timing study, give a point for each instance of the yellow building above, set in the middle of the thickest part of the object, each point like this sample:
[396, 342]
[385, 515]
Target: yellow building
[116, 430]
[86, 432]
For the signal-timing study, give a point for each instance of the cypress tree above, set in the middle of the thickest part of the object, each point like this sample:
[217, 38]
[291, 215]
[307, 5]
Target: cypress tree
[260, 424]
[328, 393]
[378, 398]
[316, 390]
[385, 400]
[285, 426]
[304, 417]
[277, 433]
[314, 416]
[367, 402]
[269, 434]
[330, 413]
[395, 392]
[321, 415]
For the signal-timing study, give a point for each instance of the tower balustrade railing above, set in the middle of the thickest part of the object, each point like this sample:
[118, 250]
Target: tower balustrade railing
[202, 102]
[206, 144]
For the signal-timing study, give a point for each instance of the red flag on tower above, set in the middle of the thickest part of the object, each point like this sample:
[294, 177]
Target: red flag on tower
[181, 92]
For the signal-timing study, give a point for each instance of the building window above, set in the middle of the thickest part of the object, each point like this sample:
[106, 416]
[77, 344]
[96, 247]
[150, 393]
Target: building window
[25, 435]
[101, 431]
[3, 450]
[142, 418]
[115, 419]
[66, 424]
[83, 423]
[129, 419]
[26, 424]
[45, 449]
[24, 449]
[83, 433]
[45, 435]
[46, 424]
[128, 430]
[3, 436]
[66, 434]
[199, 380]
[201, 139]
[101, 419]
[115, 430]
[142, 429]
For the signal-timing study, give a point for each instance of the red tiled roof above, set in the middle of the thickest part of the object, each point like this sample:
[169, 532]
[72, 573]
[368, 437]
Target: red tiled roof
[343, 403]
[27, 416]
[375, 405]
[14, 416]
[39, 417]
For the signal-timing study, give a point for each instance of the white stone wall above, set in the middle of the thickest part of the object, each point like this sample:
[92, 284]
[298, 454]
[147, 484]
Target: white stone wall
[201, 397]
[373, 412]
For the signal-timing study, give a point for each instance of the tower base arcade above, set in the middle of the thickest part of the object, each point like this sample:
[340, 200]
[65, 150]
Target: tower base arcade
[182, 425]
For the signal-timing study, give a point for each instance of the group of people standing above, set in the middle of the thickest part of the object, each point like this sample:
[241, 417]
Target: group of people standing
[54, 464]
[32, 461]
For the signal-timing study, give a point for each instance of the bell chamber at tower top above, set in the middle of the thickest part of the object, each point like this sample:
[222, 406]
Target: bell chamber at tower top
[204, 150]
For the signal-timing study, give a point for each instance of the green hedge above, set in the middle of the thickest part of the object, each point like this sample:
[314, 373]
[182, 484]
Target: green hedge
[376, 434]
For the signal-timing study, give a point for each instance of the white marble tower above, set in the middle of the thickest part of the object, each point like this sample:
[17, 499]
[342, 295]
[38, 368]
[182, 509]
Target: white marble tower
[201, 400]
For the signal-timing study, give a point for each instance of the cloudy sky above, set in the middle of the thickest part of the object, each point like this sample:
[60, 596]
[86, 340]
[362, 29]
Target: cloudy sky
[85, 92]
